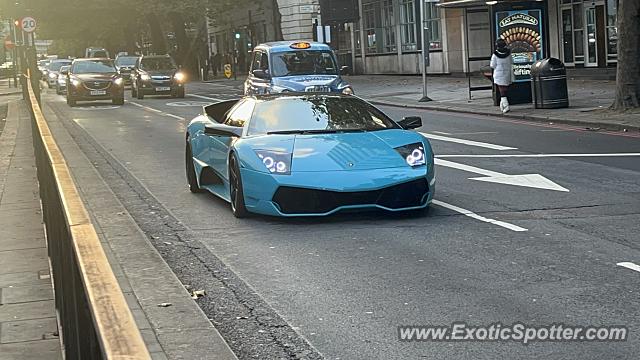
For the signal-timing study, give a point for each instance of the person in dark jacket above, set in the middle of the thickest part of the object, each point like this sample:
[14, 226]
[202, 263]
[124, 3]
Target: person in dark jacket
[502, 65]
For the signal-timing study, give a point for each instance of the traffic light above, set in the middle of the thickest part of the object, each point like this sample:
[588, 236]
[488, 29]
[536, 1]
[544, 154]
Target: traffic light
[237, 35]
[16, 23]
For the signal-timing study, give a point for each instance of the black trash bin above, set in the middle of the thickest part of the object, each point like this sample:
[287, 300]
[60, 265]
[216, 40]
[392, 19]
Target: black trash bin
[549, 84]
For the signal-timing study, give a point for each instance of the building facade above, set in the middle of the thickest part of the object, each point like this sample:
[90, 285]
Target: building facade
[388, 37]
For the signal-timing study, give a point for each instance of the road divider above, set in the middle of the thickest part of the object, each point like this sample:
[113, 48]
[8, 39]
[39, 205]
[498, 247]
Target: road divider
[95, 321]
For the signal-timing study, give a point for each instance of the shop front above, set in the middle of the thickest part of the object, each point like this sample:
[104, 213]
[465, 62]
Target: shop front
[588, 33]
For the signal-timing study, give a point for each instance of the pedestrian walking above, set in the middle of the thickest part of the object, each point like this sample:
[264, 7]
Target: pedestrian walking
[502, 65]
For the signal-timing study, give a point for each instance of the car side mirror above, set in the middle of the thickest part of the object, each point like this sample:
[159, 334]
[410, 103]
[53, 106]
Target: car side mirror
[344, 70]
[410, 122]
[223, 130]
[261, 74]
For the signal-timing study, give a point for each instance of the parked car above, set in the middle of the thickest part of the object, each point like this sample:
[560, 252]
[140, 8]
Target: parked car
[61, 86]
[298, 66]
[94, 79]
[157, 75]
[53, 69]
[124, 65]
[308, 154]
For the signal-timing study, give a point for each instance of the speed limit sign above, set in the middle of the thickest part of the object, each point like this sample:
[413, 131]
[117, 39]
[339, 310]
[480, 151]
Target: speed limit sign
[28, 24]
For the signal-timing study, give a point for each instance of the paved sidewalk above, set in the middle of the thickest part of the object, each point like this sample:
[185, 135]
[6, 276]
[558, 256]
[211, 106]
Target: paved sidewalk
[28, 327]
[588, 99]
[6, 88]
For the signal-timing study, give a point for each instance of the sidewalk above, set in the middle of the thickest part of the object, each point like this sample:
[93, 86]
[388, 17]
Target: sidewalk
[28, 327]
[588, 99]
[5, 89]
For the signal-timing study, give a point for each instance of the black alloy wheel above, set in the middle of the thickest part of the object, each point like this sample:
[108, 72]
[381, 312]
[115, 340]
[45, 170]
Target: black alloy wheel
[236, 193]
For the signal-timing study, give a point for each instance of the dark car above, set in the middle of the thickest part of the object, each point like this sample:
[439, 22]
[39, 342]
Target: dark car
[94, 79]
[157, 75]
[124, 65]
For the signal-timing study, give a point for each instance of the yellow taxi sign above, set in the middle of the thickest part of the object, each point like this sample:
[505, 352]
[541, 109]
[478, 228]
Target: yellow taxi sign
[300, 45]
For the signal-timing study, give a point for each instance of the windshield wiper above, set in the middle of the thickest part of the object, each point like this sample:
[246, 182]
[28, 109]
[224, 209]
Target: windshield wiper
[315, 131]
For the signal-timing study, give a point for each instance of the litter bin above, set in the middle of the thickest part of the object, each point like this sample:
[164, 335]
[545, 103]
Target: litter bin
[549, 84]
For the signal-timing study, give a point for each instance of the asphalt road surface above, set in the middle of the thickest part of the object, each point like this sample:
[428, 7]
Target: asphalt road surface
[529, 225]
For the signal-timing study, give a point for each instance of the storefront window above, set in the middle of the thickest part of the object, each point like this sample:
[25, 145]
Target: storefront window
[612, 28]
[407, 25]
[432, 25]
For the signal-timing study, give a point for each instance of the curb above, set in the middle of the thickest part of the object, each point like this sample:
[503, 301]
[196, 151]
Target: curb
[11, 93]
[605, 126]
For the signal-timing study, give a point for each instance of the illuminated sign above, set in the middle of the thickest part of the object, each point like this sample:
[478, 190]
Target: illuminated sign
[300, 45]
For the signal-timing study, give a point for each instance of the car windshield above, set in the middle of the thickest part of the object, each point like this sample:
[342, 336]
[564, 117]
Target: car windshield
[64, 68]
[93, 66]
[157, 64]
[56, 65]
[126, 60]
[303, 62]
[316, 114]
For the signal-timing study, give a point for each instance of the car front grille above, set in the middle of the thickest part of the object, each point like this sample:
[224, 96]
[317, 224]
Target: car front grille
[161, 77]
[97, 85]
[295, 200]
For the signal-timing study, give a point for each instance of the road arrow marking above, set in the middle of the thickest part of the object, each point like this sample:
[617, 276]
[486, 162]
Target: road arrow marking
[526, 180]
[629, 265]
[467, 142]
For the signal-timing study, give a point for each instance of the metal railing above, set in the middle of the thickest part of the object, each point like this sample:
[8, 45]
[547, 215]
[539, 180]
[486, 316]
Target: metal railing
[94, 319]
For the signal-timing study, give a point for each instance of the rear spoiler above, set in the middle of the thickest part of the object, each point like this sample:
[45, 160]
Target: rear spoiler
[217, 110]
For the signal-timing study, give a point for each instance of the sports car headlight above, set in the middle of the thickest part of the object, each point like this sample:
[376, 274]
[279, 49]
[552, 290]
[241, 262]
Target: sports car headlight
[413, 154]
[275, 162]
[145, 77]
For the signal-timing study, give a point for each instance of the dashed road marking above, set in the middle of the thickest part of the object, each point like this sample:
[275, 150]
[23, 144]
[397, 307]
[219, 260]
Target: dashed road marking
[473, 215]
[629, 265]
[205, 97]
[539, 155]
[467, 142]
[157, 111]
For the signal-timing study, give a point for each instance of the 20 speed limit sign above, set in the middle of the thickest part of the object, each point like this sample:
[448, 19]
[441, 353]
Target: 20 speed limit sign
[28, 24]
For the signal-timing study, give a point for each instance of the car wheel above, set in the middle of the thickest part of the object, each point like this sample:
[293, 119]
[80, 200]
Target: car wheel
[191, 171]
[71, 101]
[236, 193]
[139, 93]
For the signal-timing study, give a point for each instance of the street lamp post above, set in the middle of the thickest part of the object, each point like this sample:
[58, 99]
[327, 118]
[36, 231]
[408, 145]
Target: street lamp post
[425, 52]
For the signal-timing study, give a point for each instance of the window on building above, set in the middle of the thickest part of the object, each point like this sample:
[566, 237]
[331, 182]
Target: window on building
[388, 26]
[612, 29]
[432, 25]
[408, 25]
[369, 14]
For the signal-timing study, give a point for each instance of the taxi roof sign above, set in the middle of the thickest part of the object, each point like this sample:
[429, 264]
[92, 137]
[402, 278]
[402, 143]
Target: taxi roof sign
[300, 45]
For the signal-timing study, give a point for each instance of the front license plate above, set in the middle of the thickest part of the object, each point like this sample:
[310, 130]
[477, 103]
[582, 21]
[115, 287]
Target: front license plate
[98, 92]
[163, 88]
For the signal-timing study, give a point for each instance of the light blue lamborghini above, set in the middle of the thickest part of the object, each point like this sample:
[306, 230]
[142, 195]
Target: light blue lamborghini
[308, 154]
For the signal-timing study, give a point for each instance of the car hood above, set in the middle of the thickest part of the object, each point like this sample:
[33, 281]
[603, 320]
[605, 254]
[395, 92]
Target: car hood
[301, 82]
[94, 77]
[338, 152]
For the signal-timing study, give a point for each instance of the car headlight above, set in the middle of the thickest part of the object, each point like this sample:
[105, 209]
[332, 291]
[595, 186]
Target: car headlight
[347, 91]
[52, 75]
[76, 82]
[413, 154]
[275, 162]
[179, 77]
[118, 81]
[145, 77]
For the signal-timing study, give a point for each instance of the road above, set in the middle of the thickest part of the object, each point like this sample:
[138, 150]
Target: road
[488, 251]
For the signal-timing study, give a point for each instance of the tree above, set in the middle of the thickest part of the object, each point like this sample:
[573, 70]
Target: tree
[628, 71]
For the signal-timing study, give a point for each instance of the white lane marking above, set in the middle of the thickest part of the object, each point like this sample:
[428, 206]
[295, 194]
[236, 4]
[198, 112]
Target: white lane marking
[441, 132]
[473, 215]
[468, 142]
[526, 180]
[629, 265]
[145, 107]
[539, 155]
[157, 111]
[205, 97]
